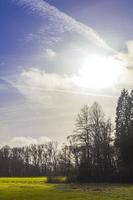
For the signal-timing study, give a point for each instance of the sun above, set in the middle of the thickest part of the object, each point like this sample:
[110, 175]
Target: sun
[99, 72]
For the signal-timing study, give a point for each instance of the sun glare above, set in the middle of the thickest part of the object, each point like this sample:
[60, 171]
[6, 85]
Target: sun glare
[99, 72]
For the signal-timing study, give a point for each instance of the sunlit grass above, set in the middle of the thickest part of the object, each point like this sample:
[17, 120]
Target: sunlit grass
[38, 189]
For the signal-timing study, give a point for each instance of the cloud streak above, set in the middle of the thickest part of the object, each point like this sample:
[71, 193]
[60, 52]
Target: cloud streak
[59, 23]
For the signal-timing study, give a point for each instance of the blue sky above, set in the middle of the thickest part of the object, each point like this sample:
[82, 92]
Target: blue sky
[49, 54]
[112, 19]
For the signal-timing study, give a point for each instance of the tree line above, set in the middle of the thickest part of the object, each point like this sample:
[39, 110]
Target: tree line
[97, 151]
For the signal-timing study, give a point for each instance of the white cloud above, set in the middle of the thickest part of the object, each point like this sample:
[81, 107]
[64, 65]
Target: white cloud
[38, 79]
[126, 79]
[25, 141]
[37, 86]
[51, 32]
[50, 53]
[127, 58]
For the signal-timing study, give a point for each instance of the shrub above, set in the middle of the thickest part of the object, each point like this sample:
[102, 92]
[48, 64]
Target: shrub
[57, 179]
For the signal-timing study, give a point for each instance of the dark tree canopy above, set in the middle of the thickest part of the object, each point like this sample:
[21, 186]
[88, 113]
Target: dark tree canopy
[95, 152]
[124, 134]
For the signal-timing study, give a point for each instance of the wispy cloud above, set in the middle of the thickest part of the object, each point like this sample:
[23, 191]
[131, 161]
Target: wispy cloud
[58, 23]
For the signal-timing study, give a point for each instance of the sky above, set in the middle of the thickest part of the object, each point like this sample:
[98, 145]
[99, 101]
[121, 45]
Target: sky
[56, 56]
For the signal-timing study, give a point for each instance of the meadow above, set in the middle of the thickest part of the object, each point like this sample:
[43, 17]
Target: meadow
[39, 189]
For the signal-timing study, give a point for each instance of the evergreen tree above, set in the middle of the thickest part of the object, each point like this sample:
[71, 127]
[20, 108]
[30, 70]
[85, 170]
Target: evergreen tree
[124, 135]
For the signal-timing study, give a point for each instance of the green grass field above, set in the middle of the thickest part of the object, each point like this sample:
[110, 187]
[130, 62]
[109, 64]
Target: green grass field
[38, 189]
